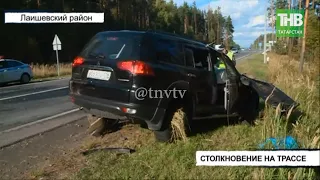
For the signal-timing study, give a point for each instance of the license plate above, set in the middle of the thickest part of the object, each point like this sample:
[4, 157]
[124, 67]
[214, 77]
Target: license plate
[101, 75]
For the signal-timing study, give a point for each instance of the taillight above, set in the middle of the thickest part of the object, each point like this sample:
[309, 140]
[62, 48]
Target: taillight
[77, 61]
[136, 67]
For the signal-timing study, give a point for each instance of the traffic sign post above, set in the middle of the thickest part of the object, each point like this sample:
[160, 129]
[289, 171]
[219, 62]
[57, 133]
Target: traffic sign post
[265, 38]
[57, 47]
[260, 45]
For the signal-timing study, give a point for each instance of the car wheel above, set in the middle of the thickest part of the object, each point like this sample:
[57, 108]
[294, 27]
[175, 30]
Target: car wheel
[251, 110]
[176, 125]
[25, 78]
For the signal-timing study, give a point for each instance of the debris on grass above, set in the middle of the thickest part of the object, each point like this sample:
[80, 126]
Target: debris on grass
[119, 150]
[178, 126]
[288, 142]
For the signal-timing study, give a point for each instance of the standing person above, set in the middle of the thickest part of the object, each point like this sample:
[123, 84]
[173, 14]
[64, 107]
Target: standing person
[230, 54]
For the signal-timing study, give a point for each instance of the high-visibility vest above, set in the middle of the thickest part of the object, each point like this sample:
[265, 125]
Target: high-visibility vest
[230, 55]
[221, 65]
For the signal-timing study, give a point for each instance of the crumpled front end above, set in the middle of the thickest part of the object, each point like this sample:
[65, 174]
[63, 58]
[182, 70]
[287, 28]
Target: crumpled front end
[271, 94]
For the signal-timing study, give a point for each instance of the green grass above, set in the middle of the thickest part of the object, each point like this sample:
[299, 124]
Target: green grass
[177, 161]
[253, 65]
[154, 160]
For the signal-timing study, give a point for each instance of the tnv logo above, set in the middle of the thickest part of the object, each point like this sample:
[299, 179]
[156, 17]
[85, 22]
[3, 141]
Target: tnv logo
[294, 19]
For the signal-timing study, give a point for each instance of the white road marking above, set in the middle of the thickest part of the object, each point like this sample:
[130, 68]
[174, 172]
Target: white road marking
[34, 83]
[39, 121]
[28, 94]
[244, 56]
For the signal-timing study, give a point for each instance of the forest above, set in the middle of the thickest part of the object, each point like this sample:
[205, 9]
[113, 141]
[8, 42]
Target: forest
[32, 43]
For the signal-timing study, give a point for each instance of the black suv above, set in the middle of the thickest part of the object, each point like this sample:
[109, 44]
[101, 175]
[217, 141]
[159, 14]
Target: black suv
[115, 64]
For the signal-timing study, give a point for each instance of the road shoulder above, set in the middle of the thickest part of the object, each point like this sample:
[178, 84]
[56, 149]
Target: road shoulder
[30, 154]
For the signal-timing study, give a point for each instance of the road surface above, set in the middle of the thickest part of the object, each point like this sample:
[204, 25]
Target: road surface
[21, 105]
[242, 54]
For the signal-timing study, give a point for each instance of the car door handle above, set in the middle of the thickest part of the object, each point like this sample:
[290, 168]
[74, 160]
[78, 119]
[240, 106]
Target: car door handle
[191, 75]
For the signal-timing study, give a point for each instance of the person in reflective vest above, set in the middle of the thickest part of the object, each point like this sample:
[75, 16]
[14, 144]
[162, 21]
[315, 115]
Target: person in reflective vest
[221, 65]
[230, 54]
[220, 68]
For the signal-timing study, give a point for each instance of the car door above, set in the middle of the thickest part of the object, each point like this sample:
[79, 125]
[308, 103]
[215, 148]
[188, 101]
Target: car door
[203, 68]
[14, 70]
[198, 77]
[232, 86]
[190, 71]
[4, 72]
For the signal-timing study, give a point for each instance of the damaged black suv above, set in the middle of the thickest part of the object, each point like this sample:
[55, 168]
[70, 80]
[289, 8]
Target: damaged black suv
[114, 65]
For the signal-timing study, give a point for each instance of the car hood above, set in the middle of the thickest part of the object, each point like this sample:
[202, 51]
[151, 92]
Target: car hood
[269, 93]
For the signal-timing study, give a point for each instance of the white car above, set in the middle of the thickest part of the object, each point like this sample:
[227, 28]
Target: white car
[234, 50]
[14, 71]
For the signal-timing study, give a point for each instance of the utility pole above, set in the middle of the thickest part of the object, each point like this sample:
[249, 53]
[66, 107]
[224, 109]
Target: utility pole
[272, 20]
[289, 40]
[265, 38]
[303, 47]
[299, 39]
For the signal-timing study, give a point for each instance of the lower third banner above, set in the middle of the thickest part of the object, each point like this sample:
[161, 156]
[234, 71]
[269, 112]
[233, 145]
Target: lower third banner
[276, 158]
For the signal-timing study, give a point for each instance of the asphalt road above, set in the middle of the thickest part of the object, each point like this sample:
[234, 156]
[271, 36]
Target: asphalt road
[242, 54]
[22, 104]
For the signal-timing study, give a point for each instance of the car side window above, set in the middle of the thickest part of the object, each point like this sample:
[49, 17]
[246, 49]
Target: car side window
[189, 57]
[13, 64]
[3, 64]
[169, 51]
[214, 58]
[201, 58]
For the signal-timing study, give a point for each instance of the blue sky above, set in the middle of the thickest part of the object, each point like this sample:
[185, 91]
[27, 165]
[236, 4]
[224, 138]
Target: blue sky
[247, 16]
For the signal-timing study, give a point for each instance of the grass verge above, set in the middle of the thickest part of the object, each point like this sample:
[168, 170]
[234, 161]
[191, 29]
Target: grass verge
[254, 66]
[177, 161]
[45, 71]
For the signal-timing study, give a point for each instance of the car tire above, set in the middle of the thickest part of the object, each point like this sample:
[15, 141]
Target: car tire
[250, 112]
[165, 134]
[25, 78]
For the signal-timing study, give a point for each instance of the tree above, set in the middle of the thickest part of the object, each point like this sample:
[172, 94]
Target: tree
[303, 47]
[32, 42]
[228, 31]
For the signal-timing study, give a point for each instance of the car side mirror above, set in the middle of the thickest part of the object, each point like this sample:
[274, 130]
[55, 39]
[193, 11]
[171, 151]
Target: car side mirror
[245, 80]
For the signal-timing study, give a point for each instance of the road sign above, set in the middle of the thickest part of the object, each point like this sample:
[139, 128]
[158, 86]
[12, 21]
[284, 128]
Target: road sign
[56, 43]
[57, 47]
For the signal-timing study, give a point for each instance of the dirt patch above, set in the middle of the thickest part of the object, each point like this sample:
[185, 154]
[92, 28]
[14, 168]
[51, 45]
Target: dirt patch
[65, 164]
[24, 156]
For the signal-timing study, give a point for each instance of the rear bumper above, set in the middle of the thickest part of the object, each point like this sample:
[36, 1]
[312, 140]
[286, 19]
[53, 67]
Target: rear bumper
[153, 116]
